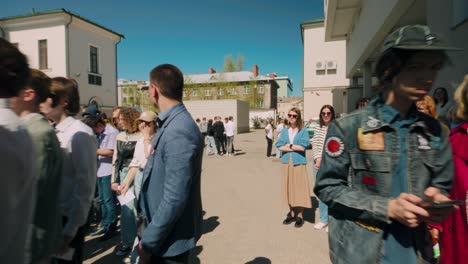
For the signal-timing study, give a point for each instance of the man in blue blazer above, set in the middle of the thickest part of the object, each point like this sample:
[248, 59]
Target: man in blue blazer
[170, 198]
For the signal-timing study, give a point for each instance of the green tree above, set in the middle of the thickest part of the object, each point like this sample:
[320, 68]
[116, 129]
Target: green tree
[231, 65]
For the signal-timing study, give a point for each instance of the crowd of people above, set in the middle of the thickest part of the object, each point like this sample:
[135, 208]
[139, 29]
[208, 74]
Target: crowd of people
[53, 163]
[218, 135]
[391, 177]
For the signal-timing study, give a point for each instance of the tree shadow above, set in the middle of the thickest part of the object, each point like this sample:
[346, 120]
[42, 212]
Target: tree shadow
[240, 153]
[309, 213]
[210, 224]
[259, 260]
[194, 259]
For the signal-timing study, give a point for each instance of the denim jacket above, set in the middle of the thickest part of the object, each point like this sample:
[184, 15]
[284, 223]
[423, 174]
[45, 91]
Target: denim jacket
[301, 138]
[355, 179]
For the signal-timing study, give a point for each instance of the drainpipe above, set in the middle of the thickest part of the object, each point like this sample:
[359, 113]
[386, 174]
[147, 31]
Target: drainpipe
[116, 79]
[67, 44]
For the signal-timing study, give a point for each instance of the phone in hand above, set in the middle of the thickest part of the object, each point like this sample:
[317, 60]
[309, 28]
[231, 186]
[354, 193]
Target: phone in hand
[439, 204]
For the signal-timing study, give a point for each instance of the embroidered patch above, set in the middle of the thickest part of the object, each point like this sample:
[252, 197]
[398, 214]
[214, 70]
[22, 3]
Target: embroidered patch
[369, 180]
[334, 146]
[423, 143]
[371, 141]
[372, 122]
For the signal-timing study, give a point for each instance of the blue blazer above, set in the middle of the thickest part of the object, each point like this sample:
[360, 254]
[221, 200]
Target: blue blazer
[301, 138]
[170, 196]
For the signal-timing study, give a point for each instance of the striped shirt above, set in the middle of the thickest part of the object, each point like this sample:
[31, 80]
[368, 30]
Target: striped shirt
[317, 141]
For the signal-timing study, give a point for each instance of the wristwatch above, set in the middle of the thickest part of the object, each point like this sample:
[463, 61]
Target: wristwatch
[290, 146]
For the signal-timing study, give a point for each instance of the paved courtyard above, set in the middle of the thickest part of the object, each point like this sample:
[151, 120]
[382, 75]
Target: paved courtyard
[243, 214]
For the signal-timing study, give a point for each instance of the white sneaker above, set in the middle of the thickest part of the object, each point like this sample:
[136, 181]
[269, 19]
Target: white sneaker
[320, 226]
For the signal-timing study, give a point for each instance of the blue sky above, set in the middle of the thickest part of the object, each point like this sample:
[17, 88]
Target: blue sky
[196, 35]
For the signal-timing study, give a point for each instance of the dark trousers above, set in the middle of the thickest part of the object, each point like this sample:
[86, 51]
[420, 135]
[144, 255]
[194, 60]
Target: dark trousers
[204, 137]
[179, 259]
[77, 243]
[220, 144]
[269, 145]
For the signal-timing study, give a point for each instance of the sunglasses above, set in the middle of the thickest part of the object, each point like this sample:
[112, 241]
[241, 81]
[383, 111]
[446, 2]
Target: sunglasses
[326, 113]
[292, 116]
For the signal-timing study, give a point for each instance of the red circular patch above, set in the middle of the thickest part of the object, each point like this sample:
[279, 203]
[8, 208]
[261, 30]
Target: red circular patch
[333, 146]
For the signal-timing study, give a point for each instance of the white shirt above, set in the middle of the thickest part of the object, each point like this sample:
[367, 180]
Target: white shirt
[108, 141]
[229, 128]
[18, 179]
[269, 130]
[79, 145]
[279, 128]
[292, 133]
[139, 158]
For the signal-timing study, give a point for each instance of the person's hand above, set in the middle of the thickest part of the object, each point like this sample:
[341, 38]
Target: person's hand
[145, 257]
[146, 130]
[437, 215]
[405, 210]
[65, 245]
[115, 187]
[317, 163]
[124, 188]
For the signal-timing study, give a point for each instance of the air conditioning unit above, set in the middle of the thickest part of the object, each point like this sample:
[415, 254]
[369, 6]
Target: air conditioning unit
[331, 65]
[320, 65]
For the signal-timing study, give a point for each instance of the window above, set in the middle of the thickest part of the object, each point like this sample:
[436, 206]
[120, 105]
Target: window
[93, 60]
[261, 89]
[93, 77]
[232, 91]
[331, 71]
[220, 92]
[43, 54]
[319, 72]
[194, 93]
[246, 90]
[207, 92]
[260, 104]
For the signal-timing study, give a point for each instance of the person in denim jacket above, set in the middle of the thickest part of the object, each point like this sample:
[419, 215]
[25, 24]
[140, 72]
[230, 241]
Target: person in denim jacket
[382, 161]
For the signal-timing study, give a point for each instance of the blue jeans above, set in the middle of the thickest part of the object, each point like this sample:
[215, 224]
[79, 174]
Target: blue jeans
[211, 146]
[323, 208]
[128, 217]
[107, 202]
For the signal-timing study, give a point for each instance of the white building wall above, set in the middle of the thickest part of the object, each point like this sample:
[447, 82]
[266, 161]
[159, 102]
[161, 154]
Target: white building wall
[316, 49]
[79, 40]
[318, 88]
[28, 43]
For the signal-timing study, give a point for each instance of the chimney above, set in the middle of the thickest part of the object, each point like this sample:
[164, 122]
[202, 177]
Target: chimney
[255, 70]
[211, 70]
[272, 75]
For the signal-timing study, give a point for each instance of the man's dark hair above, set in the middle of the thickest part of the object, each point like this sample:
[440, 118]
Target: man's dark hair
[170, 81]
[392, 61]
[67, 90]
[40, 83]
[93, 120]
[14, 70]
[231, 118]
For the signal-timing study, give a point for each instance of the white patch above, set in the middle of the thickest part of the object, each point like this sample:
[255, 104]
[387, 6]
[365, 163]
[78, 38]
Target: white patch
[423, 143]
[372, 122]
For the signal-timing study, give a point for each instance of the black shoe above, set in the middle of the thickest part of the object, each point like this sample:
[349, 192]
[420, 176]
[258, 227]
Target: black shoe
[289, 219]
[299, 222]
[123, 251]
[98, 232]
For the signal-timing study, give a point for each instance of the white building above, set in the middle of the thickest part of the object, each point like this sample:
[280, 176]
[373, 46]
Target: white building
[61, 43]
[324, 70]
[364, 24]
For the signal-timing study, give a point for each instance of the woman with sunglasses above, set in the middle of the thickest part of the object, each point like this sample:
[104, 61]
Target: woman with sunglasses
[292, 143]
[327, 114]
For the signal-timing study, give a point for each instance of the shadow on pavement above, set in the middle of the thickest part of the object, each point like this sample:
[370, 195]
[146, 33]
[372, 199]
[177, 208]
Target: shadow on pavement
[259, 260]
[210, 224]
[309, 213]
[194, 255]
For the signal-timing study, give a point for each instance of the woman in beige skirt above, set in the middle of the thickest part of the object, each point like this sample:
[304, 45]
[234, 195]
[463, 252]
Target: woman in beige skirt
[292, 143]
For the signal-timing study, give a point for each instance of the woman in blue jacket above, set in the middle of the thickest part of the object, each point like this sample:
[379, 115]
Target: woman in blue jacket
[292, 143]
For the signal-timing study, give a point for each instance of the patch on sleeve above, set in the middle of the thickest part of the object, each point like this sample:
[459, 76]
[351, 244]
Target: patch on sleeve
[334, 147]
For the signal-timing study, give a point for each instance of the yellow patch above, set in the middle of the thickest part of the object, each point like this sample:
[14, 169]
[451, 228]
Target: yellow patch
[371, 140]
[368, 227]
